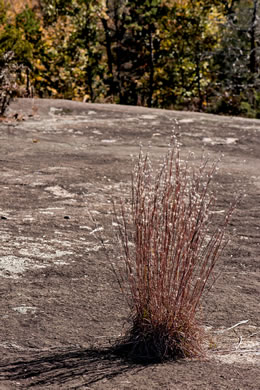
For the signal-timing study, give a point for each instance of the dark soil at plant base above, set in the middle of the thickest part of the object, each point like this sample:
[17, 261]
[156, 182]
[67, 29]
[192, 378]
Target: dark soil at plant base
[61, 308]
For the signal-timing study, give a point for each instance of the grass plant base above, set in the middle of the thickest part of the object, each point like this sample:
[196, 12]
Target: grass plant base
[148, 345]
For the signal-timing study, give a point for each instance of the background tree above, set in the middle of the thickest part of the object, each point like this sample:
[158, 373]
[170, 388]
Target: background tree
[237, 60]
[184, 54]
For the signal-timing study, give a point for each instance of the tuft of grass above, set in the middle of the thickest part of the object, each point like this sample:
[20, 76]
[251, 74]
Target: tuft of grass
[170, 246]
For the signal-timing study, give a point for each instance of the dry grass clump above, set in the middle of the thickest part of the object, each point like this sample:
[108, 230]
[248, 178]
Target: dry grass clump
[170, 248]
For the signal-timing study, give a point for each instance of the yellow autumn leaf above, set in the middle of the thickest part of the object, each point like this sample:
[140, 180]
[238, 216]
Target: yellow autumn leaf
[54, 91]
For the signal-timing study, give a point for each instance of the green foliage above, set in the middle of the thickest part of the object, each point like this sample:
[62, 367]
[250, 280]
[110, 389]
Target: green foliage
[12, 39]
[3, 11]
[52, 9]
[190, 54]
[27, 22]
[236, 62]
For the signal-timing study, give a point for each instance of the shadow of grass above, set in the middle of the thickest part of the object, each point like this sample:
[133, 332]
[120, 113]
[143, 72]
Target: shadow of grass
[86, 366]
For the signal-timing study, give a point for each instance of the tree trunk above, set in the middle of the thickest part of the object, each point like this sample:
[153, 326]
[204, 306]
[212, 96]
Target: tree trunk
[109, 56]
[151, 76]
[253, 62]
